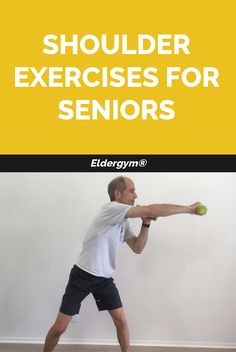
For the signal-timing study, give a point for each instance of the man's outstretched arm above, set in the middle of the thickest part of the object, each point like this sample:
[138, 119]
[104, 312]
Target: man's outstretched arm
[137, 244]
[155, 210]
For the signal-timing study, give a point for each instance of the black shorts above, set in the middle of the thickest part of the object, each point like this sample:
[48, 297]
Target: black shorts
[80, 284]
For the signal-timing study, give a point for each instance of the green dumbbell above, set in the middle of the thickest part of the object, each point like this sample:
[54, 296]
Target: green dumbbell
[201, 210]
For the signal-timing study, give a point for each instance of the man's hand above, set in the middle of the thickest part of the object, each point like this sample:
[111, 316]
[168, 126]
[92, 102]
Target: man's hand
[146, 221]
[193, 207]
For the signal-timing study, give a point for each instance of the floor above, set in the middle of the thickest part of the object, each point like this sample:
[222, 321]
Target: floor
[83, 348]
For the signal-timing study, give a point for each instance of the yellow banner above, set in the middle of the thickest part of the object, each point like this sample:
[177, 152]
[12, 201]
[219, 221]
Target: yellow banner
[127, 77]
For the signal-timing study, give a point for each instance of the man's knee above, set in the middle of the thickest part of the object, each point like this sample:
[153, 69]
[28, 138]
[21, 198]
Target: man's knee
[60, 324]
[58, 328]
[120, 320]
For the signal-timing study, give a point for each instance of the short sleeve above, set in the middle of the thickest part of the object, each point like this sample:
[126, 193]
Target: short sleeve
[114, 213]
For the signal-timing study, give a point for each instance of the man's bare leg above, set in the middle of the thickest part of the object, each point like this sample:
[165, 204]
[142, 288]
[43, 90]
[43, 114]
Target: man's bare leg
[120, 322]
[56, 331]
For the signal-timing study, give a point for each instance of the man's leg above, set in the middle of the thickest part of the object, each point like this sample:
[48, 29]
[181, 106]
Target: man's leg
[119, 319]
[56, 331]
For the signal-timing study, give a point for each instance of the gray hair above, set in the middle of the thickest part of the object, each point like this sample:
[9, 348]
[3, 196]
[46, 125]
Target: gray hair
[116, 183]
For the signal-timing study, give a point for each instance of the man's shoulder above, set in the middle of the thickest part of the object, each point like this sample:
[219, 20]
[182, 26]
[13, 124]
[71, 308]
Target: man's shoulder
[112, 212]
[115, 205]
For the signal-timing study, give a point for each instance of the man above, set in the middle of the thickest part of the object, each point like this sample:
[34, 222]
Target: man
[96, 264]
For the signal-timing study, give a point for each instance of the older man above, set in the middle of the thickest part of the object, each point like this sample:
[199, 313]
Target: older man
[97, 262]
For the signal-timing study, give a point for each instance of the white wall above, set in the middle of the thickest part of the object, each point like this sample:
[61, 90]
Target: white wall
[181, 290]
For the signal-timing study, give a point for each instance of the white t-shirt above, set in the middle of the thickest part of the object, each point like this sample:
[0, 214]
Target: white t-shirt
[104, 236]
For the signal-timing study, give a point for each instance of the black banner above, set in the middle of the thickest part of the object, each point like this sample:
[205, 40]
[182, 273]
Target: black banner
[117, 163]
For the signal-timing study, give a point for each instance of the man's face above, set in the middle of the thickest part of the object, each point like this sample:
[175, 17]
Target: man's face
[129, 195]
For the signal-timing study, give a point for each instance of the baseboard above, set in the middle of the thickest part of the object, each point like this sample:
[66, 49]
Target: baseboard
[155, 343]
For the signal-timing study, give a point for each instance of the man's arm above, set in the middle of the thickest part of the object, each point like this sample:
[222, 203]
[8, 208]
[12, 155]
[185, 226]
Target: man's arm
[155, 210]
[137, 244]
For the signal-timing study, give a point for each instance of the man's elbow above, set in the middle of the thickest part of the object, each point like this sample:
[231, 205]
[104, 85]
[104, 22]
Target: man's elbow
[137, 250]
[147, 211]
[150, 212]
